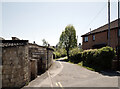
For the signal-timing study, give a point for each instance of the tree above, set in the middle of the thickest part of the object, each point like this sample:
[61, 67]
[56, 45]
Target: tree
[45, 43]
[68, 39]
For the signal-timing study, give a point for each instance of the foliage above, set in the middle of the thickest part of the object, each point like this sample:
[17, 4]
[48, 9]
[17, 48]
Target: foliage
[81, 64]
[76, 58]
[75, 55]
[60, 53]
[68, 39]
[98, 59]
[45, 43]
[75, 51]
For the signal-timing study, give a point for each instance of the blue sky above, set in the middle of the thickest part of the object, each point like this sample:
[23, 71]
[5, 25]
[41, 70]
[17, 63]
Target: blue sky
[34, 21]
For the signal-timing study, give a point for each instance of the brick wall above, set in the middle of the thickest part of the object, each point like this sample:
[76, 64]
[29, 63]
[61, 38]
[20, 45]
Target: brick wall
[15, 66]
[101, 38]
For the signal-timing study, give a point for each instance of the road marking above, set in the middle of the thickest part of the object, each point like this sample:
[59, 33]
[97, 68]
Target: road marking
[50, 79]
[59, 70]
[51, 76]
[60, 85]
[61, 64]
[56, 84]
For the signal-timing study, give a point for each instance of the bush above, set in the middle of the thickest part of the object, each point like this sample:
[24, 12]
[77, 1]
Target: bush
[76, 58]
[100, 59]
[106, 54]
[75, 51]
[75, 55]
[59, 53]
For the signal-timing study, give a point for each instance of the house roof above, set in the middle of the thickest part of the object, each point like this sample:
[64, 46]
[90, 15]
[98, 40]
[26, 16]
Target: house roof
[113, 24]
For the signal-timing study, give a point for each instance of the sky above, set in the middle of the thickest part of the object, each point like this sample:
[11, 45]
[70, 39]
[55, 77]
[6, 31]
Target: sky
[35, 21]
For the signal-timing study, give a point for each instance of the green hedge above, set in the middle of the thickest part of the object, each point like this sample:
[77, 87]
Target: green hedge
[75, 51]
[76, 58]
[59, 53]
[75, 55]
[99, 59]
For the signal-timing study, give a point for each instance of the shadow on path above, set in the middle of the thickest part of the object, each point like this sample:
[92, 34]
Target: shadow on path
[63, 60]
[110, 73]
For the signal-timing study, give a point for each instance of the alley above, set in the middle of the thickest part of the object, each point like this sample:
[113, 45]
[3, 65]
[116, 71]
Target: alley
[63, 74]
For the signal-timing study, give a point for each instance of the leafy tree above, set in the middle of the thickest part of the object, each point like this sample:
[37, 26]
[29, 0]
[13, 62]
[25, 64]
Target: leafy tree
[68, 39]
[45, 43]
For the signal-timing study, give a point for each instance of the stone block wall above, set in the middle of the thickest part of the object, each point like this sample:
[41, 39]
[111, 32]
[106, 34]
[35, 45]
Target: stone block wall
[38, 53]
[43, 55]
[50, 57]
[15, 66]
[33, 64]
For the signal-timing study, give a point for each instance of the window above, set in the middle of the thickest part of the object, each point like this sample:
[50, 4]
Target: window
[86, 39]
[93, 37]
[119, 32]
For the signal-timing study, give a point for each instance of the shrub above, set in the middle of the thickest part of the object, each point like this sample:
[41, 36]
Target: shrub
[76, 58]
[60, 53]
[100, 59]
[75, 51]
[75, 55]
[106, 54]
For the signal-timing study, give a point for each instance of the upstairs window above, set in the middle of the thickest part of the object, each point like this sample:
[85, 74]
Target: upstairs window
[119, 32]
[93, 37]
[85, 39]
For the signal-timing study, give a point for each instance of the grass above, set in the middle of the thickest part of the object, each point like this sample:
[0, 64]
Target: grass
[81, 64]
[62, 58]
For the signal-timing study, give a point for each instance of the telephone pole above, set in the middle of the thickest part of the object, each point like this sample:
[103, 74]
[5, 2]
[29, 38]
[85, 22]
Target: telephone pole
[108, 22]
[118, 49]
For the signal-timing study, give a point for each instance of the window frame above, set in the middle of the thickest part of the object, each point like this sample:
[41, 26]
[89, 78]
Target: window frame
[86, 39]
[93, 37]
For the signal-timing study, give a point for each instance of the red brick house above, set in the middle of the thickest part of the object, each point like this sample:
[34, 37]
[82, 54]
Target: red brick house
[99, 37]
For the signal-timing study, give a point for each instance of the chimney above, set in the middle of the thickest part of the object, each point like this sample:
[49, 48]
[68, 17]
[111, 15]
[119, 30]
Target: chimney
[2, 38]
[15, 38]
[48, 45]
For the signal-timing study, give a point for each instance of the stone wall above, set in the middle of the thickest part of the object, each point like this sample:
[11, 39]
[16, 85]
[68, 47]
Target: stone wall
[50, 57]
[38, 53]
[15, 66]
[43, 55]
[21, 62]
[33, 64]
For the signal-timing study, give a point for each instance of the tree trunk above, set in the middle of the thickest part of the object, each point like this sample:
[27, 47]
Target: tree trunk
[68, 54]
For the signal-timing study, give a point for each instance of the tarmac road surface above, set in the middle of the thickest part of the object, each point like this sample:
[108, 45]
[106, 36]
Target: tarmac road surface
[63, 74]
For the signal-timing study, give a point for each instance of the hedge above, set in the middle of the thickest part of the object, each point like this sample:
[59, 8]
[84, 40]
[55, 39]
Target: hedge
[59, 53]
[98, 59]
[75, 55]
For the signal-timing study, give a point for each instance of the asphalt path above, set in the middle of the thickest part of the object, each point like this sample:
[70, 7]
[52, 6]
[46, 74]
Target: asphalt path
[63, 74]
